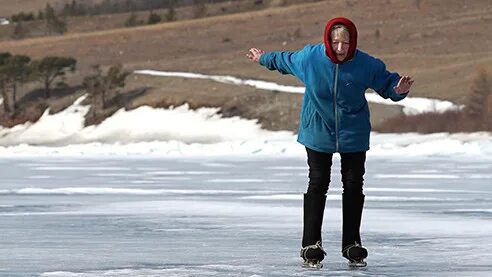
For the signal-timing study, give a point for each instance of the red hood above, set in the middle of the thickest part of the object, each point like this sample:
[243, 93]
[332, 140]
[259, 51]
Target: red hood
[353, 38]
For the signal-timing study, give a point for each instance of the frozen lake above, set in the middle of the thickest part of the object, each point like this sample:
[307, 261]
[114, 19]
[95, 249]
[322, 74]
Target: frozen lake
[236, 217]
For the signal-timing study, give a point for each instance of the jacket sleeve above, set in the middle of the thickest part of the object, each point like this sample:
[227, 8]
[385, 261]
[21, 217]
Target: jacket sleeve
[286, 62]
[383, 81]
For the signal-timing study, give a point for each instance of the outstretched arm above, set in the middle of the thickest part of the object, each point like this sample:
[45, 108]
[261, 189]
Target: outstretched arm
[285, 62]
[389, 84]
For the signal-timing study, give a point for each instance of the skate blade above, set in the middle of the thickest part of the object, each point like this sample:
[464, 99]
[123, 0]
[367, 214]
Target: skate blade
[357, 264]
[317, 265]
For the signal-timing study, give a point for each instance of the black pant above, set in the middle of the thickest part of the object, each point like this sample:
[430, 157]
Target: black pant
[353, 169]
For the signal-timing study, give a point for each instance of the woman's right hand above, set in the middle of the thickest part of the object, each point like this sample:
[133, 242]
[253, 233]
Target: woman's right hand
[254, 54]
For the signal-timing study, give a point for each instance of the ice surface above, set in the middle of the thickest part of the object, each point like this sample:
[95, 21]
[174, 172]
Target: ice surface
[166, 192]
[82, 223]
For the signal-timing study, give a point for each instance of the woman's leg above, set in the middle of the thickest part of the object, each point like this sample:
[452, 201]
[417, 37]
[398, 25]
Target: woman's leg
[319, 171]
[314, 203]
[353, 169]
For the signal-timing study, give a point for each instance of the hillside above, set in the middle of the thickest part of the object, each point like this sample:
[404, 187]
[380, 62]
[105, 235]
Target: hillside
[439, 43]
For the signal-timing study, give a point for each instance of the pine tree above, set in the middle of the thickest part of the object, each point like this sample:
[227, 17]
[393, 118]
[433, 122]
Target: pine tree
[199, 8]
[50, 68]
[131, 21]
[479, 104]
[14, 71]
[20, 31]
[4, 59]
[171, 11]
[479, 94]
[102, 85]
[53, 23]
[153, 18]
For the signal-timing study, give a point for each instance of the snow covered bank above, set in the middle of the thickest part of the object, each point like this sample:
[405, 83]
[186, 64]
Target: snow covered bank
[143, 124]
[183, 132]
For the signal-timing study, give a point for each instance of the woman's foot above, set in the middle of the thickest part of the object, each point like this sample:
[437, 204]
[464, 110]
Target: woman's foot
[356, 254]
[313, 255]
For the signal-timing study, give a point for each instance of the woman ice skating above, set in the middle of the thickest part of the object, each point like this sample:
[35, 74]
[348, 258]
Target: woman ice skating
[335, 119]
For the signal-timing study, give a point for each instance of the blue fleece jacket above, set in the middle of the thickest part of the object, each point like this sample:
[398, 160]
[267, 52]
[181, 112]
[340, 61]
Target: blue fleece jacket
[334, 113]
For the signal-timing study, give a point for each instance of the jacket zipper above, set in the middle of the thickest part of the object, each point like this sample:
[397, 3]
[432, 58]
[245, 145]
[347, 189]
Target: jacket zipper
[335, 86]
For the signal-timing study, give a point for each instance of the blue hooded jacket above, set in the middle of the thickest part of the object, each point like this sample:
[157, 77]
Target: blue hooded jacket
[334, 113]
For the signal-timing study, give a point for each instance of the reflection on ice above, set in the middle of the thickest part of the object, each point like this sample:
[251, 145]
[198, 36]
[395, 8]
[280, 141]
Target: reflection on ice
[417, 176]
[339, 197]
[175, 270]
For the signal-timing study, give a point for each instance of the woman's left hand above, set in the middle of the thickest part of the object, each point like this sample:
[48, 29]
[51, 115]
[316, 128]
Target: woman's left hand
[404, 85]
[254, 54]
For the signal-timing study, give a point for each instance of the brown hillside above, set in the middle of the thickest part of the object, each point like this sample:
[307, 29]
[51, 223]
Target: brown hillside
[439, 43]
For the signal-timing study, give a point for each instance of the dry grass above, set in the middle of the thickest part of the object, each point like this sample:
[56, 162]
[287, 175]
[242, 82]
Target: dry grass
[450, 122]
[431, 43]
[93, 23]
[434, 46]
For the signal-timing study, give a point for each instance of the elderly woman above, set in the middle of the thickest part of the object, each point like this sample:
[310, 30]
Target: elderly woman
[335, 119]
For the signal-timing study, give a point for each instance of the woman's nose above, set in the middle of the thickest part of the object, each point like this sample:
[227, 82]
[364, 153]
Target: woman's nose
[339, 46]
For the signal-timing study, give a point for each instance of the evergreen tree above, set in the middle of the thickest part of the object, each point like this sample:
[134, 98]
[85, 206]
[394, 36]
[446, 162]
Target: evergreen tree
[153, 18]
[53, 23]
[14, 72]
[20, 31]
[171, 10]
[4, 58]
[22, 16]
[40, 15]
[49, 12]
[103, 85]
[74, 8]
[50, 68]
[66, 10]
[479, 94]
[131, 21]
[199, 8]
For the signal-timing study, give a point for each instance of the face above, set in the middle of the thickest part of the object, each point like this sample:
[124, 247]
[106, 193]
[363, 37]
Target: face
[340, 46]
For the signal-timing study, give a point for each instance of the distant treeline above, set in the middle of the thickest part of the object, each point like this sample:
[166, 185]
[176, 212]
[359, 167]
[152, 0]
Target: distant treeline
[56, 23]
[92, 7]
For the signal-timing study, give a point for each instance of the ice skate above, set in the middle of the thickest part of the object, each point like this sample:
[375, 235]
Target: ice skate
[355, 254]
[352, 248]
[312, 252]
[312, 255]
